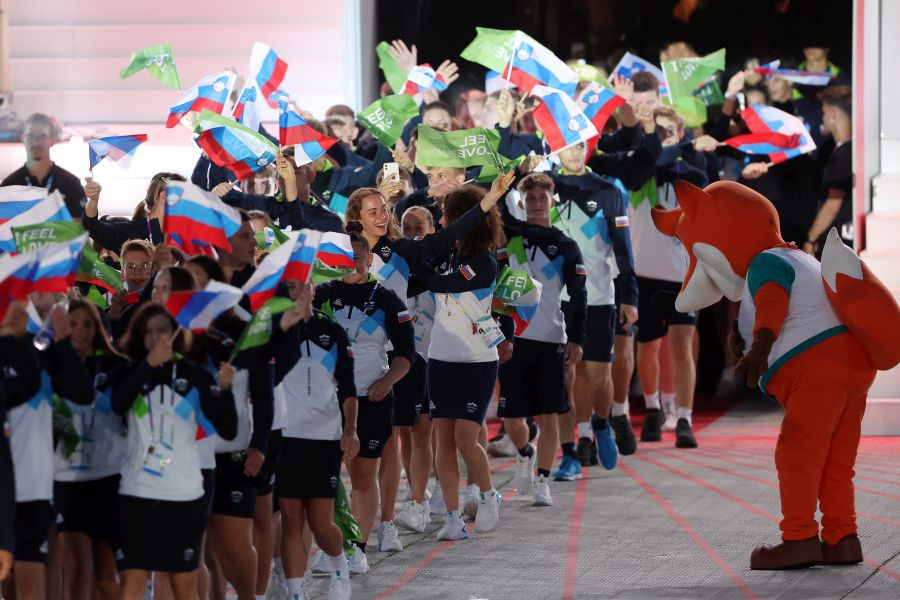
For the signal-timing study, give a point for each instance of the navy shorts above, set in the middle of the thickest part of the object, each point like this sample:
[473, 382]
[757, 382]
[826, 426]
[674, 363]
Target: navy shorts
[656, 309]
[599, 331]
[235, 493]
[533, 381]
[410, 397]
[87, 507]
[460, 390]
[33, 531]
[308, 468]
[374, 425]
[161, 535]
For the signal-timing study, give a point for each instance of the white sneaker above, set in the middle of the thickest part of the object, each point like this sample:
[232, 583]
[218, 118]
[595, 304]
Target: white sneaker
[488, 511]
[670, 422]
[540, 492]
[436, 503]
[453, 529]
[524, 472]
[470, 499]
[413, 516]
[340, 587]
[503, 447]
[358, 562]
[389, 538]
[277, 588]
[321, 564]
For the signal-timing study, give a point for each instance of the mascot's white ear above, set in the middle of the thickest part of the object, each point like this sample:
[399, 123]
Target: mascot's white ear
[837, 257]
[716, 265]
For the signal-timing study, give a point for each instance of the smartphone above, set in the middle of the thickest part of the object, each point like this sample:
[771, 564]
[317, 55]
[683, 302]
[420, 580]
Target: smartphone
[390, 172]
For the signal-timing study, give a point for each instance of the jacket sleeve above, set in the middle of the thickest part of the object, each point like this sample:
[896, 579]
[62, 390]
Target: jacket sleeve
[573, 272]
[113, 235]
[513, 145]
[484, 266]
[262, 403]
[22, 380]
[632, 168]
[622, 140]
[440, 242]
[208, 175]
[287, 350]
[352, 178]
[217, 404]
[127, 381]
[343, 370]
[70, 376]
[401, 334]
[621, 243]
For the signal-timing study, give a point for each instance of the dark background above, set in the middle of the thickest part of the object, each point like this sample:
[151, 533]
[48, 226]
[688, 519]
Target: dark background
[599, 31]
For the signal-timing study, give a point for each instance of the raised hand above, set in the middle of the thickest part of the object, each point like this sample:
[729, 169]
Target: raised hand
[449, 71]
[404, 55]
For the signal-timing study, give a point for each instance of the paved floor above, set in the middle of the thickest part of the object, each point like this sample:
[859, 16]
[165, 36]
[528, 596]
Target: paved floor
[666, 523]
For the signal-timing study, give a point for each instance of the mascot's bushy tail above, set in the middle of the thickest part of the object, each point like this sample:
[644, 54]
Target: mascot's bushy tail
[862, 302]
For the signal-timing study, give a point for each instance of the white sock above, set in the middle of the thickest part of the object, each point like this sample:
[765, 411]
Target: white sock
[619, 409]
[685, 413]
[651, 400]
[295, 585]
[668, 400]
[279, 566]
[339, 563]
[584, 430]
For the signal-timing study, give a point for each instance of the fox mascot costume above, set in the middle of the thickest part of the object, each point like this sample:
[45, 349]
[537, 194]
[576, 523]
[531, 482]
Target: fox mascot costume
[814, 335]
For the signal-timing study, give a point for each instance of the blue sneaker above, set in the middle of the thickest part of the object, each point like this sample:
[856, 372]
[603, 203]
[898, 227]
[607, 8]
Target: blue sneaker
[606, 444]
[569, 469]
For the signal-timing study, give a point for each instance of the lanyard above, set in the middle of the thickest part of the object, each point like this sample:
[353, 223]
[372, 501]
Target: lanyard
[47, 185]
[149, 231]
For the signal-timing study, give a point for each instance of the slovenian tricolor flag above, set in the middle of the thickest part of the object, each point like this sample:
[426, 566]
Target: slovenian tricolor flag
[196, 309]
[196, 216]
[532, 64]
[24, 205]
[598, 103]
[242, 150]
[768, 119]
[563, 123]
[49, 269]
[494, 82]
[245, 111]
[764, 143]
[308, 143]
[335, 250]
[267, 70]
[421, 78]
[632, 64]
[298, 253]
[119, 148]
[209, 93]
[818, 78]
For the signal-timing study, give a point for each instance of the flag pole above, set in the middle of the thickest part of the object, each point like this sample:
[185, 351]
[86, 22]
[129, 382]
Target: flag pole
[512, 57]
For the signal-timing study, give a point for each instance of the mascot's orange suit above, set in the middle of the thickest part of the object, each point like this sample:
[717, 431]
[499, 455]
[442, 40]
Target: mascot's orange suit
[815, 335]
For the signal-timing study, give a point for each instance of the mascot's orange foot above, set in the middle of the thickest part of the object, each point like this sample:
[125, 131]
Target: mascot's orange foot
[797, 554]
[848, 551]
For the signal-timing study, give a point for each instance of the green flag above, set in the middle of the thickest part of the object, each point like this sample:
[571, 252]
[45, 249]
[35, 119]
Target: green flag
[491, 48]
[270, 237]
[710, 93]
[343, 518]
[156, 59]
[259, 329]
[386, 117]
[93, 270]
[489, 173]
[685, 75]
[691, 109]
[393, 73]
[97, 298]
[64, 426]
[323, 273]
[37, 235]
[461, 149]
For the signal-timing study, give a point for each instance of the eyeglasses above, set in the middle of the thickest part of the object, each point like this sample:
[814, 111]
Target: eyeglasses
[139, 267]
[37, 137]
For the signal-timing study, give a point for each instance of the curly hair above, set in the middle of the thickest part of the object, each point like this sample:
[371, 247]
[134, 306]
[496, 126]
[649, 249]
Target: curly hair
[487, 234]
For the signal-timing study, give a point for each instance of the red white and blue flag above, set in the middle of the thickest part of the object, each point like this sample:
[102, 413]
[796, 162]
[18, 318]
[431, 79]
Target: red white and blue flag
[335, 251]
[197, 309]
[229, 144]
[308, 143]
[494, 82]
[196, 216]
[245, 110]
[119, 148]
[764, 143]
[531, 64]
[563, 123]
[209, 93]
[25, 205]
[818, 78]
[631, 64]
[598, 103]
[49, 269]
[298, 253]
[267, 70]
[423, 77]
[764, 119]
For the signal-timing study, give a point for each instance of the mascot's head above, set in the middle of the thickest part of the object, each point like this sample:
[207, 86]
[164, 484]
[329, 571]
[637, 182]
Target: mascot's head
[722, 227]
